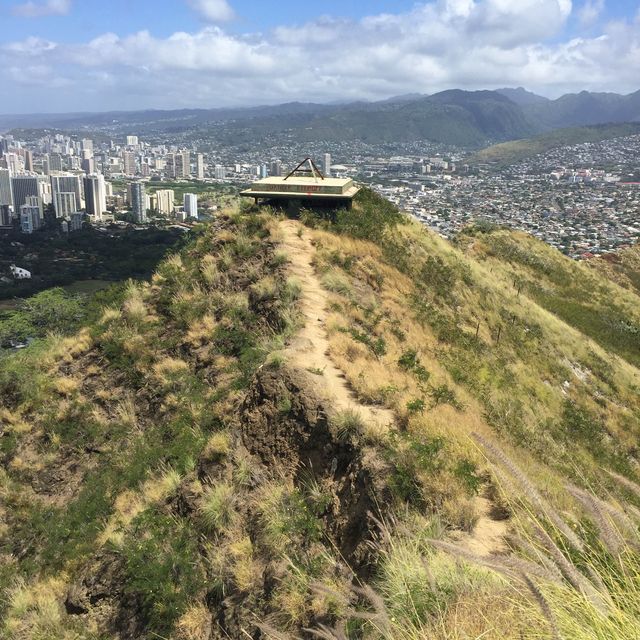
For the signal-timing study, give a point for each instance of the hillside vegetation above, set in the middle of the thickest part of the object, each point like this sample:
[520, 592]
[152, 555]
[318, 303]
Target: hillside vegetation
[346, 429]
[506, 153]
[623, 267]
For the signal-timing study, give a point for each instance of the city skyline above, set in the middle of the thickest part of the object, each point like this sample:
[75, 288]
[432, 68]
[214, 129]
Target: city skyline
[63, 55]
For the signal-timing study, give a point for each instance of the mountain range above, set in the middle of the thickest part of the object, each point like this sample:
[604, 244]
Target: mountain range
[465, 118]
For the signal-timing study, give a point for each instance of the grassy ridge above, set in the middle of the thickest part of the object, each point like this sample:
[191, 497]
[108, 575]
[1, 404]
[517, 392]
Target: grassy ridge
[164, 472]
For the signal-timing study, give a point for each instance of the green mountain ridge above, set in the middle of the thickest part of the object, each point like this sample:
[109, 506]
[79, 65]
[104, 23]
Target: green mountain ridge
[457, 117]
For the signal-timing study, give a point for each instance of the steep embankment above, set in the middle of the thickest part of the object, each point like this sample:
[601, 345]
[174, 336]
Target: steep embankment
[320, 426]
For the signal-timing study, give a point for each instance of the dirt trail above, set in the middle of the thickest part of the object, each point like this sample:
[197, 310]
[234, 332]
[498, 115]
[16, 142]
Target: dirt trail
[489, 534]
[310, 348]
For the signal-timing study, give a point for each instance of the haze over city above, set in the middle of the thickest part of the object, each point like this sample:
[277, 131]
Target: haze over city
[66, 55]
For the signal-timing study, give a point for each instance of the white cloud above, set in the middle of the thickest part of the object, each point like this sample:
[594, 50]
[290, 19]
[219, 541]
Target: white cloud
[436, 45]
[46, 8]
[213, 10]
[31, 46]
[590, 11]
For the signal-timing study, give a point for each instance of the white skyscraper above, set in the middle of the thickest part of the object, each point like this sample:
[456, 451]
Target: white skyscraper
[87, 145]
[65, 204]
[6, 192]
[66, 183]
[165, 199]
[132, 141]
[191, 205]
[200, 166]
[326, 165]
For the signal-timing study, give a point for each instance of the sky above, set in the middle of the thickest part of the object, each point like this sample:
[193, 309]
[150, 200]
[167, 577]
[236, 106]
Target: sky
[101, 55]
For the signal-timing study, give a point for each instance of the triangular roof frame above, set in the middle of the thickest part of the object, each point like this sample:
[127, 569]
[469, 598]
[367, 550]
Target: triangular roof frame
[312, 170]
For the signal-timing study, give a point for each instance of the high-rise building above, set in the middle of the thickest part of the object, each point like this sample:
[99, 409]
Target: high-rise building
[87, 145]
[64, 203]
[6, 192]
[129, 163]
[200, 166]
[22, 187]
[30, 219]
[219, 172]
[55, 162]
[35, 201]
[14, 162]
[95, 195]
[88, 165]
[132, 141]
[6, 215]
[75, 221]
[275, 168]
[326, 165]
[191, 205]
[138, 202]
[165, 198]
[66, 183]
[28, 159]
[182, 164]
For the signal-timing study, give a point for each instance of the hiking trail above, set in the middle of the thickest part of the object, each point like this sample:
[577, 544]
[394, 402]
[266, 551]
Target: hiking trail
[309, 349]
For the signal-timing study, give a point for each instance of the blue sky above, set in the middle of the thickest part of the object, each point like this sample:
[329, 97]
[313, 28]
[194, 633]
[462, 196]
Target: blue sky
[95, 55]
[90, 18]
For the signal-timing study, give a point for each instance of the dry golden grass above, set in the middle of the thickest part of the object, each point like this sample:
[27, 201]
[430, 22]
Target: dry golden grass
[35, 610]
[12, 422]
[246, 568]
[130, 504]
[168, 370]
[201, 330]
[218, 445]
[66, 386]
[67, 349]
[109, 315]
[134, 306]
[126, 412]
[194, 624]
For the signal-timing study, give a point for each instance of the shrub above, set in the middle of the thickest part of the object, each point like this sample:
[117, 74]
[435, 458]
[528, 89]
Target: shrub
[218, 506]
[348, 423]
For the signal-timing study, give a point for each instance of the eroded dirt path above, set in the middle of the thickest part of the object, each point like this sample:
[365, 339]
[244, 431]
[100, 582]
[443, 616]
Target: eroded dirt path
[489, 533]
[309, 350]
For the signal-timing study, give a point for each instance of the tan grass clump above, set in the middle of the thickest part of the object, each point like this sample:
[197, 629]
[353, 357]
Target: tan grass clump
[195, 623]
[66, 386]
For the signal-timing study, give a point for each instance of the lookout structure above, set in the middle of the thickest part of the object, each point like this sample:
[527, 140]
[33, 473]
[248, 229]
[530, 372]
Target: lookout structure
[305, 186]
